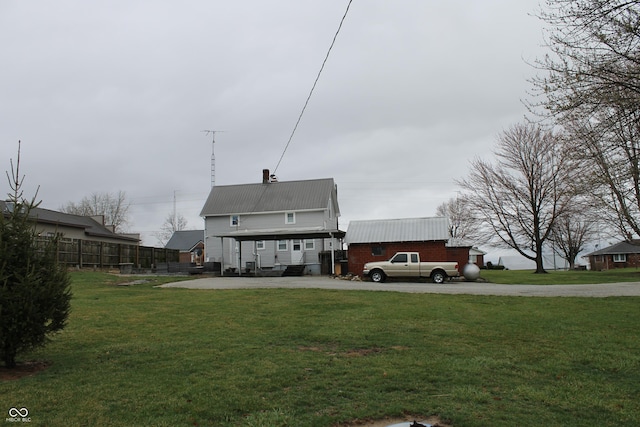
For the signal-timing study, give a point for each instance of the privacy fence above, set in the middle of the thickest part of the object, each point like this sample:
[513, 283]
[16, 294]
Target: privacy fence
[89, 253]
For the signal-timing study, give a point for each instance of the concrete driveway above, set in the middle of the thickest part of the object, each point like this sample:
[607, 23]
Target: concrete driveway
[454, 287]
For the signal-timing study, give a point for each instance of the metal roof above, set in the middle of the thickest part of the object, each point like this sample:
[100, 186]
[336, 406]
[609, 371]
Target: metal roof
[269, 197]
[185, 240]
[398, 230]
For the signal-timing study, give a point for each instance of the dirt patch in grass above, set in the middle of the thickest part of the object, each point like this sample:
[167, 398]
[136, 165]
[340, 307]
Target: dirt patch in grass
[24, 369]
[433, 421]
[355, 352]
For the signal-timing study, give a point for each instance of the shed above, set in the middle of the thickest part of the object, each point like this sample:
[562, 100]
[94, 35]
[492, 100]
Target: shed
[190, 243]
[377, 240]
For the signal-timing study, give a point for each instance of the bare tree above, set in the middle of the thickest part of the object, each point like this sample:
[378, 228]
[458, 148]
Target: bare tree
[592, 88]
[570, 235]
[172, 223]
[462, 224]
[520, 198]
[594, 54]
[113, 207]
[610, 155]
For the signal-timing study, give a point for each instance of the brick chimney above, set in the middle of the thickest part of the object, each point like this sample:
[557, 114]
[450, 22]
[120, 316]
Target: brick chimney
[265, 176]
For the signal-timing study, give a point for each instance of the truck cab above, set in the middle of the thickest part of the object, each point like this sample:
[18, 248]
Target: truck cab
[404, 264]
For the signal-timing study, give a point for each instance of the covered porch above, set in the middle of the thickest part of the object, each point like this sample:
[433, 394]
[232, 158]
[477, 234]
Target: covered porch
[254, 265]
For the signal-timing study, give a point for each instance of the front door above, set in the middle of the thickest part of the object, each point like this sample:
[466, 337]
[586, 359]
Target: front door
[296, 252]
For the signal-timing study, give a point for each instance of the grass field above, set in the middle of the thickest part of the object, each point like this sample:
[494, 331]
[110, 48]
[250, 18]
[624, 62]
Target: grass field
[521, 277]
[138, 355]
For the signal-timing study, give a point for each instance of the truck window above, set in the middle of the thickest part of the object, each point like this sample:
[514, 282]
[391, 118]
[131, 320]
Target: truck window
[400, 258]
[414, 257]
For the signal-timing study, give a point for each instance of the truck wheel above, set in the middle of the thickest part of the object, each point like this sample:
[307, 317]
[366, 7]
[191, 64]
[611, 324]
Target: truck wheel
[377, 276]
[438, 276]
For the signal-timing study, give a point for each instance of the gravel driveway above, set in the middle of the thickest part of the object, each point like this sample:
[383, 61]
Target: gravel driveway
[454, 287]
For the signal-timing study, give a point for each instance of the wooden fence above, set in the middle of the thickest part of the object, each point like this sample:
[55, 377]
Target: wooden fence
[88, 253]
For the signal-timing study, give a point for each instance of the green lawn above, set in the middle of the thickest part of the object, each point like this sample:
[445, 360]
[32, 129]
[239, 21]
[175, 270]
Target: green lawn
[140, 355]
[518, 277]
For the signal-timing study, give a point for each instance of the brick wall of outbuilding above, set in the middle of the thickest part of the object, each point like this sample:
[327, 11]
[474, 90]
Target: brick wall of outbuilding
[460, 255]
[187, 257]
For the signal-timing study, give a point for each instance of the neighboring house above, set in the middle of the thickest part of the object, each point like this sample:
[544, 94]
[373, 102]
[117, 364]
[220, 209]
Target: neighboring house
[77, 227]
[620, 255]
[376, 240]
[190, 243]
[271, 225]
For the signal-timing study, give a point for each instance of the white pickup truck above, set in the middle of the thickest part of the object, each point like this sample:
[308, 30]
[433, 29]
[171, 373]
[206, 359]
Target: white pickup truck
[407, 264]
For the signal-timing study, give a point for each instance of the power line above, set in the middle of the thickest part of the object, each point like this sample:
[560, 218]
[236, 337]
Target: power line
[313, 87]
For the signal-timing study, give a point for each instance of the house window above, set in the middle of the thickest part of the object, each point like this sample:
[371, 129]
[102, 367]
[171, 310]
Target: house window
[297, 245]
[378, 251]
[309, 245]
[619, 257]
[282, 245]
[234, 220]
[290, 218]
[260, 245]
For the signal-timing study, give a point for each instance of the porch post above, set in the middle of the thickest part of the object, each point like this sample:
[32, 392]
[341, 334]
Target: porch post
[255, 258]
[221, 256]
[240, 258]
[333, 255]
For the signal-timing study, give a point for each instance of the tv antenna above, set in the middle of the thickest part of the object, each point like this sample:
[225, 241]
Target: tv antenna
[213, 156]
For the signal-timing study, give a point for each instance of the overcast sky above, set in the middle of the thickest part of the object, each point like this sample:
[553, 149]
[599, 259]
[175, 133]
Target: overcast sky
[114, 95]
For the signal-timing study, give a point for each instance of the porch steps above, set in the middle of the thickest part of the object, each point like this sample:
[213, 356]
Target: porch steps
[294, 270]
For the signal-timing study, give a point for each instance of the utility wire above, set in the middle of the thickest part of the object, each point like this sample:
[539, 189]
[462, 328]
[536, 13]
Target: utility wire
[313, 87]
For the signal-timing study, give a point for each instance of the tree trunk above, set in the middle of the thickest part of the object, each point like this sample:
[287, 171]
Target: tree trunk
[539, 264]
[539, 261]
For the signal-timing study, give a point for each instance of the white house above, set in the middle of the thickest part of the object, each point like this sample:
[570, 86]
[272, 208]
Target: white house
[271, 225]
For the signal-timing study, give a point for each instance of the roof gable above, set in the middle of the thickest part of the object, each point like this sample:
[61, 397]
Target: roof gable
[398, 230]
[185, 240]
[270, 197]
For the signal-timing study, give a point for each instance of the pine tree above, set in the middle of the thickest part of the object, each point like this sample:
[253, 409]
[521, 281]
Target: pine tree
[35, 294]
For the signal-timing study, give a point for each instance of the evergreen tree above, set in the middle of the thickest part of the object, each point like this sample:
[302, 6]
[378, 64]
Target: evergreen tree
[35, 293]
